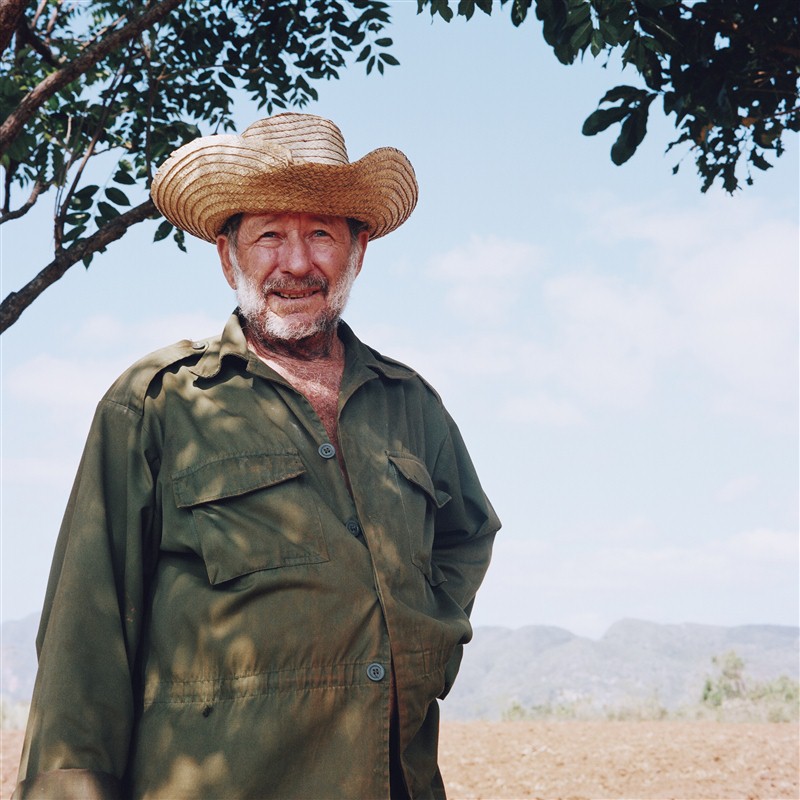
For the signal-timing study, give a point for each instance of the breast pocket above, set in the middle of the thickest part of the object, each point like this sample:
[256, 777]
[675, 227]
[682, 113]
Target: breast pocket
[251, 512]
[421, 500]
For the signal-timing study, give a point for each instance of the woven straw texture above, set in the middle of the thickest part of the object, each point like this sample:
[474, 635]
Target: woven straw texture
[285, 163]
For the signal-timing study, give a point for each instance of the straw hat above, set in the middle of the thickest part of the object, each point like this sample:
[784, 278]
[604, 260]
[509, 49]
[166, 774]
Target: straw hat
[285, 163]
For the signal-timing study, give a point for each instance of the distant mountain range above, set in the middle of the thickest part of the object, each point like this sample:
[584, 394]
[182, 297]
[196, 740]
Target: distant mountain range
[634, 664]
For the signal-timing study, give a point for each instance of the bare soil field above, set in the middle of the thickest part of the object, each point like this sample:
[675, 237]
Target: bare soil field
[583, 760]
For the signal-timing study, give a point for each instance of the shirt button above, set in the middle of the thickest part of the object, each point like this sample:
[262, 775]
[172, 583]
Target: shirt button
[327, 450]
[198, 345]
[375, 672]
[353, 526]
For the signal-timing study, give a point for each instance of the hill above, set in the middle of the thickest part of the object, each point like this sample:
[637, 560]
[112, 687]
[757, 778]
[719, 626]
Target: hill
[634, 666]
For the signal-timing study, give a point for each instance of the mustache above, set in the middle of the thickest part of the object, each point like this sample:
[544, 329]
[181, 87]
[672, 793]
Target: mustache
[295, 284]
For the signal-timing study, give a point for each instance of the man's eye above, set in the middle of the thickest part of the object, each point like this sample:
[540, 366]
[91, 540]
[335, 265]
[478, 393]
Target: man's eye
[268, 235]
[321, 232]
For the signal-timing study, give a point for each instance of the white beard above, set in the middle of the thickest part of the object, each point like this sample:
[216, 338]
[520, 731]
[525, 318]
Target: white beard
[268, 325]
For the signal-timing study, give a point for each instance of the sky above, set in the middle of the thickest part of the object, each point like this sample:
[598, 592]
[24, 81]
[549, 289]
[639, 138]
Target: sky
[619, 350]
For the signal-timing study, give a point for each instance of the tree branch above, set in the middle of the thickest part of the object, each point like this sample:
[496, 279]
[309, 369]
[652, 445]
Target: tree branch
[10, 12]
[17, 302]
[26, 35]
[7, 216]
[16, 121]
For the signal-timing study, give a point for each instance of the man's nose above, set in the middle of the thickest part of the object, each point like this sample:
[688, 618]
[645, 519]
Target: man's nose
[296, 257]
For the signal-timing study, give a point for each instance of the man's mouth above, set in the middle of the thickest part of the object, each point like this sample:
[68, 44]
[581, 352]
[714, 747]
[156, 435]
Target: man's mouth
[295, 295]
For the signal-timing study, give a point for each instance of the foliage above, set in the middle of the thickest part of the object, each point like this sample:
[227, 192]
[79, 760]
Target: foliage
[726, 69]
[727, 695]
[107, 88]
[731, 695]
[729, 684]
[94, 94]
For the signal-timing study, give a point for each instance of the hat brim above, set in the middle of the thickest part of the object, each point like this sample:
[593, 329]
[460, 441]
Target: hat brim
[207, 181]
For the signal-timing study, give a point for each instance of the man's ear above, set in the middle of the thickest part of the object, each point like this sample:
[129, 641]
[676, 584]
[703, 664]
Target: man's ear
[225, 259]
[363, 239]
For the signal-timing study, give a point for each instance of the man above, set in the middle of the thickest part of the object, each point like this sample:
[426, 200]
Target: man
[265, 571]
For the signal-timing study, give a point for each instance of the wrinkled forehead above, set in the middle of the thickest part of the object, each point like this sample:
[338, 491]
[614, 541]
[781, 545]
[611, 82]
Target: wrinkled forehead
[290, 218]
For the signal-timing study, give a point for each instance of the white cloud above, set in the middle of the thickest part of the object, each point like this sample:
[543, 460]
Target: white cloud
[611, 337]
[737, 488]
[750, 576]
[542, 409]
[726, 273]
[80, 369]
[709, 293]
[487, 278]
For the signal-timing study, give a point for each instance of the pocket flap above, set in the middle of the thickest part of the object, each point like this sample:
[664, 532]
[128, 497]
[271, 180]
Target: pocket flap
[234, 475]
[414, 470]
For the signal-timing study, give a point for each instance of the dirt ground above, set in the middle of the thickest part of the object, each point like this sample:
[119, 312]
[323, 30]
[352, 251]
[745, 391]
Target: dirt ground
[597, 760]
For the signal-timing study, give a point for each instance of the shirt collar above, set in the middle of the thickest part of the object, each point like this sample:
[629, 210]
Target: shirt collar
[233, 343]
[361, 354]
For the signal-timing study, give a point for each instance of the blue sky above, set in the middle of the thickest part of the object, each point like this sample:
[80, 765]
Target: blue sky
[619, 350]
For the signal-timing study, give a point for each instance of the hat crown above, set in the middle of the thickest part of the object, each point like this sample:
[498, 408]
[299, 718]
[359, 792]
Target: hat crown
[300, 138]
[289, 163]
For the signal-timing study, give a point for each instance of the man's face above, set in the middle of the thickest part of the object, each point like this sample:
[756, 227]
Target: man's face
[292, 272]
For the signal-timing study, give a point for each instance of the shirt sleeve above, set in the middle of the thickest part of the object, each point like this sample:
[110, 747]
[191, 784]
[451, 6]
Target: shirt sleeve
[79, 729]
[465, 529]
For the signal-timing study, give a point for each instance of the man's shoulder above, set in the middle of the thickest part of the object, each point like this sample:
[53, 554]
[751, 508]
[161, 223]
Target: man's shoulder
[398, 370]
[131, 388]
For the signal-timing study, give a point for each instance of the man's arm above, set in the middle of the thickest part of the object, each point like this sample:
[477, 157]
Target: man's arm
[465, 529]
[79, 729]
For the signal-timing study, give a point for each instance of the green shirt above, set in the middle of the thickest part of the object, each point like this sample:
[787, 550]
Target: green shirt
[223, 615]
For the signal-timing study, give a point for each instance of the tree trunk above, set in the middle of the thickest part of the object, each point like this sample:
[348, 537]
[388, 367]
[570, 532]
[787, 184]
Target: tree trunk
[10, 11]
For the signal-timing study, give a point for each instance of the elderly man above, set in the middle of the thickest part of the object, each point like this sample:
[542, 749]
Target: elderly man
[265, 571]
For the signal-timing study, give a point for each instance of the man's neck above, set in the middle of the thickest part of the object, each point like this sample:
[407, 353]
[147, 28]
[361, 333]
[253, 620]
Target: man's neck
[325, 346]
[317, 377]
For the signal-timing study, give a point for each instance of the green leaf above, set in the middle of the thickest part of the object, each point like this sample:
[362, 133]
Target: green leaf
[519, 10]
[179, 238]
[581, 36]
[223, 78]
[597, 43]
[759, 161]
[117, 196]
[78, 218]
[120, 176]
[631, 135]
[107, 212]
[86, 192]
[364, 53]
[602, 118]
[609, 33]
[73, 234]
[466, 8]
[626, 93]
[390, 59]
[443, 9]
[163, 230]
